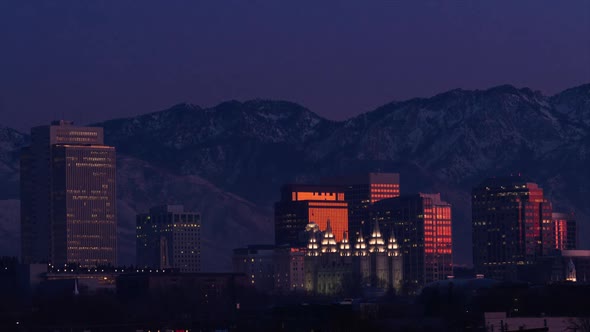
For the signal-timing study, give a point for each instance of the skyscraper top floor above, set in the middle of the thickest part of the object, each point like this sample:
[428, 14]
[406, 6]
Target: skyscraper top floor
[308, 192]
[64, 132]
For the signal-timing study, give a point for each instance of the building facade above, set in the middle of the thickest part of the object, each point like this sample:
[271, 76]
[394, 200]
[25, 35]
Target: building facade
[343, 269]
[257, 262]
[571, 266]
[566, 231]
[68, 197]
[512, 226]
[324, 267]
[289, 271]
[422, 224]
[361, 191]
[206, 297]
[301, 205]
[169, 237]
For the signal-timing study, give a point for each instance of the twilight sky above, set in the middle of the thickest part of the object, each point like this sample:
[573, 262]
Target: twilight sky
[95, 60]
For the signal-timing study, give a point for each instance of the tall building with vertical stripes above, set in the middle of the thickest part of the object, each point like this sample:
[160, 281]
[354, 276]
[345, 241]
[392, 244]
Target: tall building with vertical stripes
[566, 231]
[68, 196]
[422, 226]
[512, 226]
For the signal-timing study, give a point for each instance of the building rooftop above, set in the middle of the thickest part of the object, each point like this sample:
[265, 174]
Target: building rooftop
[167, 209]
[575, 253]
[507, 181]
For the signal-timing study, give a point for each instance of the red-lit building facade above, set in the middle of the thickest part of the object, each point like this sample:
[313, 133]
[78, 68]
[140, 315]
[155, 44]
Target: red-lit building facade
[566, 231]
[512, 226]
[361, 191]
[422, 225]
[301, 205]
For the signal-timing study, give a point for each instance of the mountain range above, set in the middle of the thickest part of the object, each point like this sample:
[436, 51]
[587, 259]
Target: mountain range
[229, 161]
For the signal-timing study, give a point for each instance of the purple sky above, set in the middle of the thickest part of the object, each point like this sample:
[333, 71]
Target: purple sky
[94, 60]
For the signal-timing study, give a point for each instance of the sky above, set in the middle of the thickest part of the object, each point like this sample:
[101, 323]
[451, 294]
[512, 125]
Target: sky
[95, 60]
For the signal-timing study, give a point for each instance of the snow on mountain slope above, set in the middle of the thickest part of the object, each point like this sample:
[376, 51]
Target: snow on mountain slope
[229, 161]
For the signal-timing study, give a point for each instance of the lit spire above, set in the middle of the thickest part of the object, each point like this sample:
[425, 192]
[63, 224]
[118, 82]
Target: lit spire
[360, 246]
[376, 242]
[571, 271]
[313, 248]
[345, 245]
[376, 231]
[392, 246]
[328, 241]
[76, 292]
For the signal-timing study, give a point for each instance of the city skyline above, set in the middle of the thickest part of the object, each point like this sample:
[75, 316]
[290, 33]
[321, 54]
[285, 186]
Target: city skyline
[460, 260]
[294, 166]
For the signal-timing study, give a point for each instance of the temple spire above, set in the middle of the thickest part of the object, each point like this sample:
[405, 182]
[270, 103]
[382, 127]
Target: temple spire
[360, 245]
[344, 245]
[392, 246]
[329, 244]
[376, 231]
[376, 242]
[313, 248]
[571, 271]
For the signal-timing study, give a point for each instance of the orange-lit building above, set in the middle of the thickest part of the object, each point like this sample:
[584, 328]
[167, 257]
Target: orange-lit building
[361, 191]
[422, 226]
[512, 226]
[566, 231]
[68, 196]
[301, 205]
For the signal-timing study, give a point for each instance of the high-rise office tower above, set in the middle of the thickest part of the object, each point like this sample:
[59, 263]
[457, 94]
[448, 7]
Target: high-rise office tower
[301, 205]
[422, 226]
[361, 191]
[169, 237]
[566, 231]
[512, 226]
[68, 196]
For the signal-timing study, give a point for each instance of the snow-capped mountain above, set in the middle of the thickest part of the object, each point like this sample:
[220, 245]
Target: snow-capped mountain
[228, 161]
[574, 103]
[246, 148]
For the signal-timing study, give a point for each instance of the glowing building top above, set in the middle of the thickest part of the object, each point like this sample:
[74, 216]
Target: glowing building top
[302, 204]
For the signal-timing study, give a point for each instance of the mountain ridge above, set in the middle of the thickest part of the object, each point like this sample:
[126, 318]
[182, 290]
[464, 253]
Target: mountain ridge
[448, 142]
